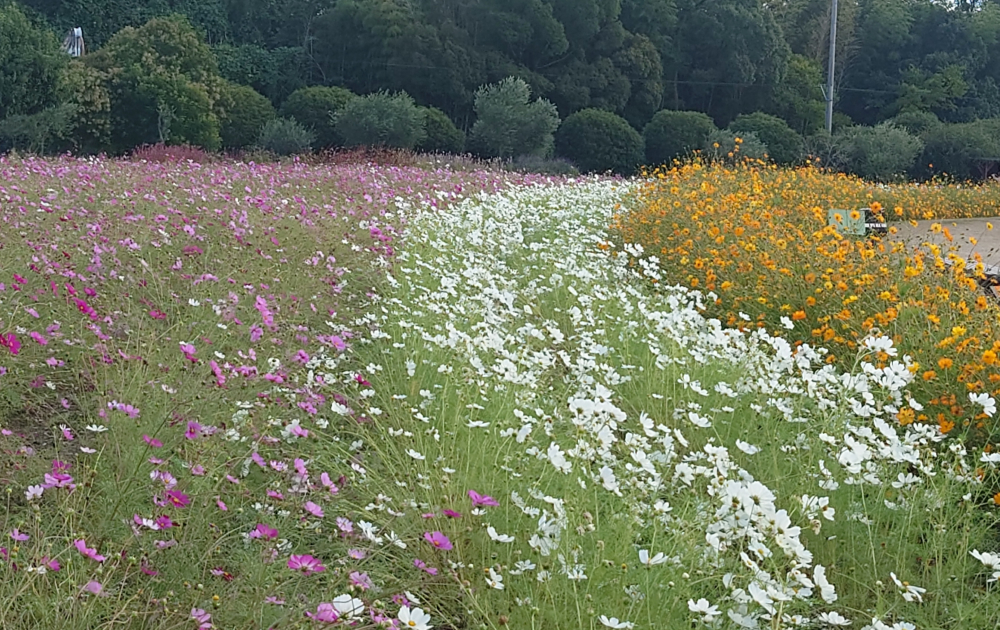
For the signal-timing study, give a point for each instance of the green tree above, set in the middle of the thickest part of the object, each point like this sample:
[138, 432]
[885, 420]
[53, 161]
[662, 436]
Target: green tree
[441, 134]
[381, 120]
[784, 145]
[163, 83]
[30, 64]
[672, 134]
[313, 108]
[244, 114]
[798, 99]
[509, 123]
[598, 141]
[86, 88]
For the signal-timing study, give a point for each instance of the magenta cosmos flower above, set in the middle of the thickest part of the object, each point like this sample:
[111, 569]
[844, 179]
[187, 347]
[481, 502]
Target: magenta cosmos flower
[438, 539]
[87, 552]
[482, 499]
[305, 564]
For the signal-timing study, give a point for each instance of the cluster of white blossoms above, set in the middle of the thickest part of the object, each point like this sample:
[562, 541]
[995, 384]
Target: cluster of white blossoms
[518, 299]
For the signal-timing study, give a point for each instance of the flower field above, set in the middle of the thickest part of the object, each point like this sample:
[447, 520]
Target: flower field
[263, 396]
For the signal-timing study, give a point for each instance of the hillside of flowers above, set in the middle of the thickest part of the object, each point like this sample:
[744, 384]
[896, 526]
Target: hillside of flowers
[179, 420]
[305, 396]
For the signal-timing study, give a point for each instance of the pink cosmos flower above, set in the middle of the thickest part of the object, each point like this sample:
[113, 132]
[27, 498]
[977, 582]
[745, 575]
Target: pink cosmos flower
[264, 531]
[203, 618]
[193, 430]
[18, 536]
[39, 339]
[87, 552]
[271, 599]
[420, 564]
[313, 509]
[360, 580]
[325, 613]
[305, 564]
[49, 563]
[93, 587]
[439, 540]
[480, 499]
[152, 441]
[451, 513]
[177, 498]
[10, 342]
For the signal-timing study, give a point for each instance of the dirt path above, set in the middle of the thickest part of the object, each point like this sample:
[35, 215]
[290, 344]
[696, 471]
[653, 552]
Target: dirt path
[961, 230]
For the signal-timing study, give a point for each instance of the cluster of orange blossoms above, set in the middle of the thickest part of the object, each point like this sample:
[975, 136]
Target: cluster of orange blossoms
[759, 237]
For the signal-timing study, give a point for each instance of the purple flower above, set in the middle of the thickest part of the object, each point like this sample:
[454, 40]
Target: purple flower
[264, 531]
[87, 552]
[480, 499]
[439, 540]
[18, 536]
[305, 564]
[313, 509]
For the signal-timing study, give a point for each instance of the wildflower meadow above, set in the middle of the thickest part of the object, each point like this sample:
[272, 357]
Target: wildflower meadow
[240, 395]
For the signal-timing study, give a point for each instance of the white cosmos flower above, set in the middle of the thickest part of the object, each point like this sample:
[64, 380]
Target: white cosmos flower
[612, 622]
[645, 559]
[503, 538]
[747, 448]
[415, 454]
[415, 619]
[348, 606]
[96, 428]
[987, 402]
[495, 580]
[833, 619]
[702, 607]
[787, 323]
[909, 592]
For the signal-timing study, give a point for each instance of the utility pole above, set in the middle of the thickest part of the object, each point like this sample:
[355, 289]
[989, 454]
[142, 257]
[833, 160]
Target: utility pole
[831, 67]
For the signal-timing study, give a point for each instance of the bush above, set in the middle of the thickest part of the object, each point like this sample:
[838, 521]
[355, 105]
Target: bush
[725, 145]
[37, 133]
[283, 136]
[441, 135]
[880, 153]
[957, 149]
[509, 124]
[674, 134]
[597, 141]
[245, 112]
[783, 143]
[381, 120]
[916, 122]
[312, 107]
[86, 89]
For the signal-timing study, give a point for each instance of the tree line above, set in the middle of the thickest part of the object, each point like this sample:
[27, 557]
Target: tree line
[911, 63]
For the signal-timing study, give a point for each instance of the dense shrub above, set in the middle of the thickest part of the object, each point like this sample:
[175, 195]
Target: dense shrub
[598, 141]
[312, 107]
[37, 132]
[881, 153]
[725, 145]
[916, 122]
[783, 143]
[958, 149]
[246, 112]
[440, 133]
[673, 134]
[381, 120]
[284, 136]
[509, 124]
